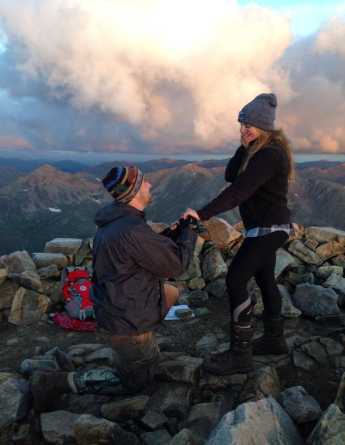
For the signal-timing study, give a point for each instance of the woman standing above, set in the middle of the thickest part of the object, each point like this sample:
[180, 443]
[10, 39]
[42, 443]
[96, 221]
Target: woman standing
[259, 173]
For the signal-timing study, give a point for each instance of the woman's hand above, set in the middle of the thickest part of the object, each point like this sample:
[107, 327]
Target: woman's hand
[190, 212]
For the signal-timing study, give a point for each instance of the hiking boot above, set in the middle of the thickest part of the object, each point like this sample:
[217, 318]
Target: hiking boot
[239, 359]
[273, 340]
[46, 387]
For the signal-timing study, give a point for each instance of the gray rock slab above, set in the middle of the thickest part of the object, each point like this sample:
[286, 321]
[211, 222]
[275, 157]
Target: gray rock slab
[288, 308]
[128, 408]
[330, 430]
[217, 288]
[58, 426]
[104, 355]
[300, 406]
[206, 344]
[284, 260]
[213, 265]
[203, 417]
[90, 430]
[11, 399]
[45, 259]
[315, 300]
[67, 246]
[184, 437]
[171, 399]
[51, 271]
[299, 250]
[260, 423]
[335, 281]
[154, 420]
[324, 272]
[159, 437]
[184, 369]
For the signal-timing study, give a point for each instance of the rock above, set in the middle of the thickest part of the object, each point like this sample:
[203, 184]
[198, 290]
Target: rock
[193, 272]
[90, 430]
[312, 244]
[265, 382]
[18, 262]
[184, 369]
[213, 265]
[197, 298]
[330, 249]
[67, 246]
[184, 314]
[217, 288]
[3, 275]
[288, 309]
[131, 407]
[12, 398]
[284, 260]
[28, 307]
[203, 417]
[29, 280]
[7, 292]
[153, 420]
[336, 282]
[339, 261]
[103, 356]
[324, 234]
[324, 272]
[340, 397]
[201, 312]
[300, 406]
[159, 437]
[298, 249]
[171, 399]
[261, 423]
[221, 232]
[84, 252]
[28, 366]
[196, 283]
[45, 259]
[207, 344]
[58, 426]
[184, 437]
[216, 383]
[316, 351]
[330, 429]
[51, 271]
[315, 300]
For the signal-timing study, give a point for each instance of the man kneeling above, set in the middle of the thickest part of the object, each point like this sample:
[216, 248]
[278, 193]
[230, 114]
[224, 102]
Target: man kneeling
[130, 263]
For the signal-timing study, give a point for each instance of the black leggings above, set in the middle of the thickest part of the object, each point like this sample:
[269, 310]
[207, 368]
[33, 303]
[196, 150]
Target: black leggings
[255, 258]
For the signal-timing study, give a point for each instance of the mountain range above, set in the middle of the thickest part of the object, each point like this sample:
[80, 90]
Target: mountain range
[41, 202]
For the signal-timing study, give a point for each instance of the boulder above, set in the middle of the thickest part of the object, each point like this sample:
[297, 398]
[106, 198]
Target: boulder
[284, 260]
[58, 427]
[28, 307]
[262, 423]
[44, 259]
[3, 275]
[330, 430]
[324, 272]
[300, 406]
[67, 246]
[298, 249]
[330, 250]
[217, 288]
[315, 300]
[316, 352]
[18, 262]
[213, 265]
[206, 344]
[184, 369]
[171, 399]
[324, 234]
[159, 437]
[128, 408]
[221, 232]
[335, 281]
[7, 292]
[288, 309]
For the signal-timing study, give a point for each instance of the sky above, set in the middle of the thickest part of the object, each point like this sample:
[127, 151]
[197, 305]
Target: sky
[163, 76]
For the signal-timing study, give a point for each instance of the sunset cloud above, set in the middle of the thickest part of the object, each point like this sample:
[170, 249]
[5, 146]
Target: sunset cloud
[176, 74]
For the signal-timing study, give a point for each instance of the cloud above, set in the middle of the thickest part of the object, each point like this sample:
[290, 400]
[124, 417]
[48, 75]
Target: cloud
[157, 75]
[130, 58]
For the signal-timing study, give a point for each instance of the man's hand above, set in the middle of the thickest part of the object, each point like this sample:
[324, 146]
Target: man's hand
[190, 212]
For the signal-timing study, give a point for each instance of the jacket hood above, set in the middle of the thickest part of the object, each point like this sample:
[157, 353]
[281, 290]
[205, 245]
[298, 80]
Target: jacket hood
[113, 211]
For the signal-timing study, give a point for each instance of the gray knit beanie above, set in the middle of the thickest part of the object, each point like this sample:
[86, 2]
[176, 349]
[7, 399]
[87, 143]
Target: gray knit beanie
[260, 112]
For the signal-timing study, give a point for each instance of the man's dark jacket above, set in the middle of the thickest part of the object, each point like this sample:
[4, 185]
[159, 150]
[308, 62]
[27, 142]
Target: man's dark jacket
[130, 263]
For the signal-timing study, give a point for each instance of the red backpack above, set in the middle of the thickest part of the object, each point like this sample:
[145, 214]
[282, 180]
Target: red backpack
[76, 286]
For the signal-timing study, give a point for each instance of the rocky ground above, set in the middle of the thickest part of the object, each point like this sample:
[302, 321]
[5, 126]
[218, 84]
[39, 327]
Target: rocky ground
[289, 399]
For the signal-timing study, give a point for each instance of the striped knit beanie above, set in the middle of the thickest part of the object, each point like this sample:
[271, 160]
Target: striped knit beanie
[123, 183]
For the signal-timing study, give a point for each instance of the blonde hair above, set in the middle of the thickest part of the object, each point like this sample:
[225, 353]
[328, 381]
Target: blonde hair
[275, 137]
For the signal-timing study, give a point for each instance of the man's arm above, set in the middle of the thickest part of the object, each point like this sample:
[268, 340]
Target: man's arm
[159, 254]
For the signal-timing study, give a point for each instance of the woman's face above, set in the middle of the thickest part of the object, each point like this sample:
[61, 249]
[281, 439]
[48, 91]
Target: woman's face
[249, 134]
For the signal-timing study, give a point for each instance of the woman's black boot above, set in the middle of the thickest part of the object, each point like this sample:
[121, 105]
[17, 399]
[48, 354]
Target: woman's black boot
[273, 340]
[239, 359]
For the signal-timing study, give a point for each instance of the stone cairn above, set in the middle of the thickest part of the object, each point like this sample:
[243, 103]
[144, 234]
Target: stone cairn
[188, 406]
